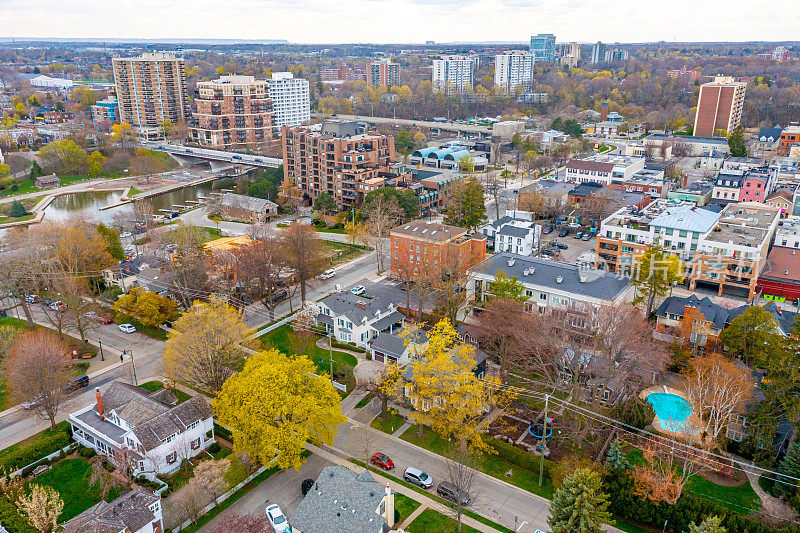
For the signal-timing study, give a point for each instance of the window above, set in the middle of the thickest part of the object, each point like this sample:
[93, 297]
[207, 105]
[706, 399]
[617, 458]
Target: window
[543, 296]
[196, 443]
[171, 458]
[170, 438]
[193, 425]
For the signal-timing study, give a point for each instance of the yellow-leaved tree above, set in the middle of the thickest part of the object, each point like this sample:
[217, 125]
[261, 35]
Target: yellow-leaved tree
[203, 348]
[149, 308]
[274, 405]
[446, 392]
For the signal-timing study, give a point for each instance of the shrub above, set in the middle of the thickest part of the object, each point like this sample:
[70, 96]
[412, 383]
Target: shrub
[517, 456]
[222, 432]
[88, 453]
[35, 451]
[12, 520]
[214, 448]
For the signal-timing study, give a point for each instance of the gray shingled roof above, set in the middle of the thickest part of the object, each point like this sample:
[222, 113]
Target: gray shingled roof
[388, 320]
[514, 231]
[341, 501]
[230, 199]
[129, 512]
[574, 280]
[346, 303]
[718, 315]
[391, 344]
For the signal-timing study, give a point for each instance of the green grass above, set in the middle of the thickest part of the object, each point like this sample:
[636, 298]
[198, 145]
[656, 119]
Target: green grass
[280, 339]
[493, 465]
[133, 192]
[630, 527]
[9, 220]
[24, 186]
[340, 252]
[206, 234]
[430, 520]
[70, 478]
[364, 401]
[151, 331]
[153, 386]
[331, 230]
[404, 506]
[61, 427]
[392, 423]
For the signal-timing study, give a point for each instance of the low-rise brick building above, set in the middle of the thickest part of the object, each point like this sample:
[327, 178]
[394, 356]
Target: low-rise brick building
[422, 246]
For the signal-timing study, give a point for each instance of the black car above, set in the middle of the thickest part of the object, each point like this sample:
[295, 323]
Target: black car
[450, 491]
[78, 382]
[277, 296]
[562, 245]
[306, 485]
[563, 233]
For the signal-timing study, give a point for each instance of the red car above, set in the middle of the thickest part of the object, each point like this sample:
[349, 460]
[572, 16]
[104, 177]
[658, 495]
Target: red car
[104, 320]
[382, 460]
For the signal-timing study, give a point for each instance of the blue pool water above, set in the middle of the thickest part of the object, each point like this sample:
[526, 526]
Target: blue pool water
[671, 410]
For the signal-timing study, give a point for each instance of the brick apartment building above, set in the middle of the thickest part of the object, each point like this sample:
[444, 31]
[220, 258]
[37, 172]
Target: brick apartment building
[719, 106]
[233, 112]
[151, 89]
[384, 72]
[789, 137]
[335, 157]
[421, 247]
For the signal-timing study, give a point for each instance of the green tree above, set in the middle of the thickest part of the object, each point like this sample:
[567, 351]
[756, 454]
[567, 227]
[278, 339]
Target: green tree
[112, 239]
[17, 209]
[507, 287]
[275, 405]
[325, 203]
[736, 143]
[657, 270]
[615, 458]
[96, 160]
[262, 188]
[710, 524]
[466, 164]
[403, 142]
[36, 170]
[406, 199]
[466, 206]
[579, 505]
[64, 157]
[5, 170]
[790, 467]
[754, 335]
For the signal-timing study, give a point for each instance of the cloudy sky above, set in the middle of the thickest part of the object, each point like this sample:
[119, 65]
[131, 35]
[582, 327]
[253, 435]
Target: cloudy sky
[405, 21]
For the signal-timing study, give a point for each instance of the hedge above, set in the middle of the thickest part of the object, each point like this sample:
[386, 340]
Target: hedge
[223, 432]
[517, 456]
[35, 451]
[689, 508]
[12, 520]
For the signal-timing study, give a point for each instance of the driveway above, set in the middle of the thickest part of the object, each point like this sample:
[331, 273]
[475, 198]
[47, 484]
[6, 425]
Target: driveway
[282, 488]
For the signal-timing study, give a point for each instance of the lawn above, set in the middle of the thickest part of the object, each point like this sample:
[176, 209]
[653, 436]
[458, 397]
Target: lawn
[404, 506]
[60, 427]
[364, 401]
[70, 478]
[392, 423]
[153, 386]
[430, 520]
[151, 331]
[341, 252]
[206, 234]
[343, 363]
[133, 192]
[24, 186]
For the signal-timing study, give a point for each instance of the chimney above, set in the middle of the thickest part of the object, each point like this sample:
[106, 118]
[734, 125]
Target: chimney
[603, 111]
[99, 402]
[389, 506]
[559, 279]
[362, 305]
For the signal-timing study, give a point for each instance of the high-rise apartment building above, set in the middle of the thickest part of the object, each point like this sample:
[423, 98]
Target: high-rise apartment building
[291, 102]
[598, 53]
[514, 70]
[384, 72]
[232, 112]
[336, 157]
[151, 89]
[453, 74]
[719, 107]
[543, 47]
[569, 54]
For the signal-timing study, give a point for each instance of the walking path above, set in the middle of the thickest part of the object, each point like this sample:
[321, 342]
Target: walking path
[770, 505]
[413, 516]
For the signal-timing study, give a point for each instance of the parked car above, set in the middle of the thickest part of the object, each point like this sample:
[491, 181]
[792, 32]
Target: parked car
[32, 403]
[382, 460]
[563, 233]
[125, 235]
[276, 518]
[32, 298]
[418, 477]
[551, 250]
[328, 274]
[78, 382]
[58, 306]
[586, 237]
[450, 491]
[358, 290]
[276, 296]
[547, 230]
[574, 225]
[578, 235]
[306, 485]
[104, 320]
[127, 328]
[561, 245]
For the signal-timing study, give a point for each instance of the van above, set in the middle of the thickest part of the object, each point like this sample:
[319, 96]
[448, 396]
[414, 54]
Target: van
[78, 382]
[328, 274]
[449, 491]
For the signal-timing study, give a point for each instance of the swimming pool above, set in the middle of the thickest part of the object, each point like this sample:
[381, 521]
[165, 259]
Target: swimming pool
[671, 410]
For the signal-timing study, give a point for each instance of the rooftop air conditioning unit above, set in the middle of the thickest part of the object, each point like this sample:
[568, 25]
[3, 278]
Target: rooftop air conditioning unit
[559, 279]
[510, 262]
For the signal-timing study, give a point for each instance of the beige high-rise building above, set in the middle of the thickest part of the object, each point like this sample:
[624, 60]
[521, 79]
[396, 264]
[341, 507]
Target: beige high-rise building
[151, 88]
[232, 112]
[719, 107]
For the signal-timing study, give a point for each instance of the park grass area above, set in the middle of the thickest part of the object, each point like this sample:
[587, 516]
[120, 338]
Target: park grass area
[153, 386]
[343, 363]
[133, 191]
[342, 252]
[430, 520]
[70, 477]
[390, 424]
[206, 234]
[404, 506]
[24, 186]
[524, 466]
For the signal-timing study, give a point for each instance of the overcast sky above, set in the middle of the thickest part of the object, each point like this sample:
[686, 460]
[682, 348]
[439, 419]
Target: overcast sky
[405, 21]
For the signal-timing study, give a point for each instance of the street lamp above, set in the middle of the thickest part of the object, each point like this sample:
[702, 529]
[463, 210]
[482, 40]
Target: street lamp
[100, 342]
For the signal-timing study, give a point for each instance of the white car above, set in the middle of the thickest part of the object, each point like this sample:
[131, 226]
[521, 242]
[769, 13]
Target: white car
[358, 290]
[127, 328]
[125, 235]
[276, 518]
[328, 274]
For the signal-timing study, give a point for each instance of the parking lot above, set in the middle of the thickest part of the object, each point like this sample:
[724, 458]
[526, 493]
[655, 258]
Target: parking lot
[575, 247]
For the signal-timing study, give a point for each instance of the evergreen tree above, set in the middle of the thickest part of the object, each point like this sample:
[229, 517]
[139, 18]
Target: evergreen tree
[616, 457]
[18, 210]
[710, 524]
[579, 506]
[736, 143]
[790, 466]
[36, 170]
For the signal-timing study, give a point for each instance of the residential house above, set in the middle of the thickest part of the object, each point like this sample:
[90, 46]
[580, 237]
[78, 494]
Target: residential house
[603, 168]
[780, 278]
[691, 320]
[149, 431]
[47, 182]
[247, 209]
[727, 186]
[341, 501]
[697, 193]
[783, 200]
[711, 160]
[126, 275]
[756, 186]
[400, 349]
[767, 140]
[137, 511]
[357, 319]
[789, 137]
[514, 233]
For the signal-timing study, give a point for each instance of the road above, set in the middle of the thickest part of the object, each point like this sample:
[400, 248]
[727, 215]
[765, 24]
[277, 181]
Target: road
[447, 126]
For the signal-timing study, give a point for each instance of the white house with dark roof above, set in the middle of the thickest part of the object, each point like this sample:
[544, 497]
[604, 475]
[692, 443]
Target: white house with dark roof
[513, 233]
[400, 349]
[342, 501]
[359, 319]
[150, 430]
[137, 511]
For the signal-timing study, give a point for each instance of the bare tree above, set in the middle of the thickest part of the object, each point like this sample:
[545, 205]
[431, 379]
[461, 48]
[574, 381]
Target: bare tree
[263, 261]
[460, 471]
[39, 369]
[188, 265]
[382, 215]
[304, 254]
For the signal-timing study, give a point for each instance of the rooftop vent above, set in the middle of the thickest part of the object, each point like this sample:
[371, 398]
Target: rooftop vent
[511, 262]
[559, 279]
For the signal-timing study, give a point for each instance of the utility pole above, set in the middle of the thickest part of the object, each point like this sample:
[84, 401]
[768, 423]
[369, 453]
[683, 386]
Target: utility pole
[544, 440]
[330, 353]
